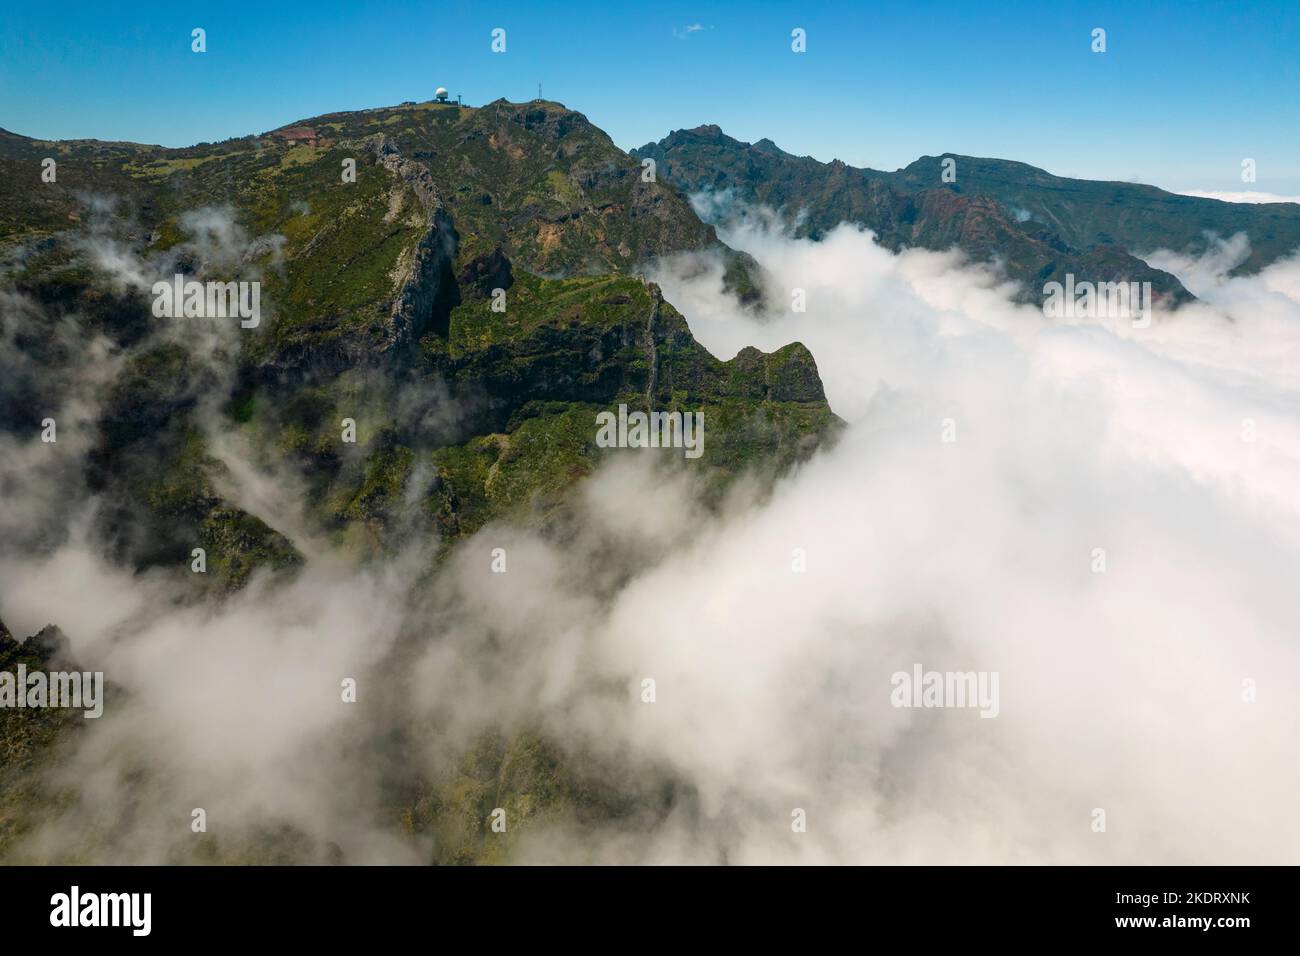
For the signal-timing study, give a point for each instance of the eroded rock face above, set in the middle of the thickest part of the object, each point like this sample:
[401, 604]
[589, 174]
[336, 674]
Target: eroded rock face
[424, 289]
[621, 342]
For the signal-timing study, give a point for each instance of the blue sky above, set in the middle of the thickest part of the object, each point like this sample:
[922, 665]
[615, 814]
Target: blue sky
[1182, 94]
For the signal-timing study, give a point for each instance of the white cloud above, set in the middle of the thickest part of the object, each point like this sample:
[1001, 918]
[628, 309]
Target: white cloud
[1245, 196]
[1119, 690]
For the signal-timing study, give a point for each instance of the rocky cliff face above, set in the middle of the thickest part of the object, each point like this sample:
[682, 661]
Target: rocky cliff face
[424, 285]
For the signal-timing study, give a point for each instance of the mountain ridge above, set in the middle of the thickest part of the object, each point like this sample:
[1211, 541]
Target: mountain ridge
[394, 272]
[1028, 228]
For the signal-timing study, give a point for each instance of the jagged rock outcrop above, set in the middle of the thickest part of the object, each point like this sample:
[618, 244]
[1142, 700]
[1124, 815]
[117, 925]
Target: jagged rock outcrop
[425, 288]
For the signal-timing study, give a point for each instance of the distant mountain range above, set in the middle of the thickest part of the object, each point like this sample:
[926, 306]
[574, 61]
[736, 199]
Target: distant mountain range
[1038, 226]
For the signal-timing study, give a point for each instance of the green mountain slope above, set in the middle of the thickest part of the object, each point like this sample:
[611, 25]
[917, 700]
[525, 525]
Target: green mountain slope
[470, 303]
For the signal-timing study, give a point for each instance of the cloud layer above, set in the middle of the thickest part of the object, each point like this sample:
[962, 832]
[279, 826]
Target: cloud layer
[772, 624]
